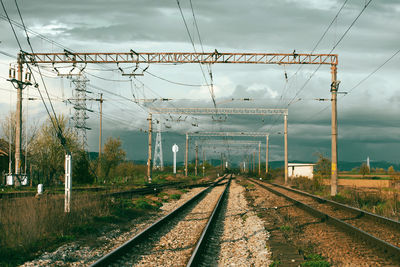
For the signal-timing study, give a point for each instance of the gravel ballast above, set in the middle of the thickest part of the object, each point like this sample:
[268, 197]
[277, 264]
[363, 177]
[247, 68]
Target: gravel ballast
[78, 254]
[244, 239]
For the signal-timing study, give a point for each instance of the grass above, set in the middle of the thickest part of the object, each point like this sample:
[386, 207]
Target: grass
[29, 225]
[175, 196]
[315, 260]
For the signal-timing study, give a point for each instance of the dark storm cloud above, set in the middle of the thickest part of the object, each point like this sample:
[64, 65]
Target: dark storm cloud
[367, 116]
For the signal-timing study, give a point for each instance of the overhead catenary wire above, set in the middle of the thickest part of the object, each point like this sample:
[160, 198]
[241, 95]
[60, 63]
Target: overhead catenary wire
[59, 135]
[55, 123]
[194, 48]
[333, 48]
[357, 84]
[318, 42]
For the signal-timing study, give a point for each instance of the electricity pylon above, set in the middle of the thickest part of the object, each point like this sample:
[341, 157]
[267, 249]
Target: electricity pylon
[158, 154]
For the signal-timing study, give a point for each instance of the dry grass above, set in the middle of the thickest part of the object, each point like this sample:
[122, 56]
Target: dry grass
[32, 224]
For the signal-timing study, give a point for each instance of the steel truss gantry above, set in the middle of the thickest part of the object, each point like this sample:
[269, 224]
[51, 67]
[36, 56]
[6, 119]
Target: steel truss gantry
[228, 111]
[238, 134]
[202, 58]
[219, 111]
[231, 143]
[174, 57]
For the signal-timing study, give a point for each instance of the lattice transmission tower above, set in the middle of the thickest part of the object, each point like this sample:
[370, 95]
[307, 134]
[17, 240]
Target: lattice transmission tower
[79, 101]
[158, 154]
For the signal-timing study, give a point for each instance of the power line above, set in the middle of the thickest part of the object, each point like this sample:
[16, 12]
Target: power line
[41, 96]
[62, 139]
[211, 90]
[358, 84]
[333, 48]
[321, 38]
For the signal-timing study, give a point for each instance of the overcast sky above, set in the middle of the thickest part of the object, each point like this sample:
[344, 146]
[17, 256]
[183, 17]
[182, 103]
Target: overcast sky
[368, 117]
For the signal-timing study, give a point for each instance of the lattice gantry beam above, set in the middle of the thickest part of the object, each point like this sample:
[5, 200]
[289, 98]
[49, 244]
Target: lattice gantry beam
[227, 142]
[224, 111]
[206, 58]
[233, 134]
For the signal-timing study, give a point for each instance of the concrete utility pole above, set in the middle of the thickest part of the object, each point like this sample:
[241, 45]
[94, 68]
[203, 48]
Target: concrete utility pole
[149, 155]
[68, 182]
[101, 121]
[197, 154]
[259, 158]
[18, 126]
[286, 149]
[254, 161]
[334, 89]
[222, 163]
[204, 157]
[186, 154]
[266, 154]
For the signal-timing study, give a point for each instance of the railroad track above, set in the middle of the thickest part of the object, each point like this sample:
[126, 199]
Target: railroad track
[378, 231]
[147, 189]
[176, 239]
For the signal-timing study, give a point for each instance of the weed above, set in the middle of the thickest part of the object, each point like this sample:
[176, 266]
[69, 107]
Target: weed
[285, 228]
[315, 260]
[184, 190]
[175, 196]
[275, 263]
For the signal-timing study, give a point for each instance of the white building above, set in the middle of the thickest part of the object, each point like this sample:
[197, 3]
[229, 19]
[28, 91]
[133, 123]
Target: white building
[301, 169]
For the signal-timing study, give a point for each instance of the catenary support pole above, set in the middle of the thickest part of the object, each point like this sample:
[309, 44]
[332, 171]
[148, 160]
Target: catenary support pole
[101, 121]
[204, 159]
[286, 149]
[266, 154]
[186, 154]
[197, 154]
[18, 114]
[149, 155]
[254, 161]
[259, 158]
[334, 175]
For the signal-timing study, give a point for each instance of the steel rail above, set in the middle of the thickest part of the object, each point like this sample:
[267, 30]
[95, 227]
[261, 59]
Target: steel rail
[198, 250]
[109, 258]
[364, 213]
[385, 246]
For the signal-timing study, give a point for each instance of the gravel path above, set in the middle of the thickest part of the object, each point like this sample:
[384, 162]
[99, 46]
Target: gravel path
[172, 245]
[77, 254]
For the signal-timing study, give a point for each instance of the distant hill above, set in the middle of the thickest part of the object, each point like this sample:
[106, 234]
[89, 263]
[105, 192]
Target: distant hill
[343, 165]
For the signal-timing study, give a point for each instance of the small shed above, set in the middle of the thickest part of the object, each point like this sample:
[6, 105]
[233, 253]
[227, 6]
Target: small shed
[301, 169]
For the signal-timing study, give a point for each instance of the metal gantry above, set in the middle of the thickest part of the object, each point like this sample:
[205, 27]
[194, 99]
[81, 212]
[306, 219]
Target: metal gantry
[238, 134]
[176, 57]
[202, 58]
[227, 111]
[234, 142]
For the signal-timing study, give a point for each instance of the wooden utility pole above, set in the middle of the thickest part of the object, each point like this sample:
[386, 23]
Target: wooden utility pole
[334, 89]
[197, 154]
[266, 154]
[286, 149]
[149, 155]
[259, 158]
[186, 154]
